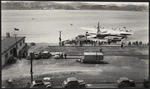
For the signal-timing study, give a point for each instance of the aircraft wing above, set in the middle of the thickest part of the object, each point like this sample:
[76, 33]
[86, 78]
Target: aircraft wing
[105, 33]
[120, 32]
[93, 39]
[126, 33]
[91, 36]
[89, 29]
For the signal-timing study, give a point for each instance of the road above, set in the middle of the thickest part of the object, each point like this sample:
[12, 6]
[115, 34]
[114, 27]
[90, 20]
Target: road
[104, 86]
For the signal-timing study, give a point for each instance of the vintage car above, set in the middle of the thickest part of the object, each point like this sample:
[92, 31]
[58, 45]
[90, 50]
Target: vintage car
[59, 55]
[30, 55]
[37, 55]
[44, 83]
[73, 82]
[45, 54]
[125, 82]
[32, 44]
[146, 83]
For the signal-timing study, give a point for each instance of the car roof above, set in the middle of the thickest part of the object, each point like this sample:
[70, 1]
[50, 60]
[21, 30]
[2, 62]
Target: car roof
[45, 51]
[46, 78]
[38, 81]
[72, 79]
[37, 52]
[31, 52]
[123, 78]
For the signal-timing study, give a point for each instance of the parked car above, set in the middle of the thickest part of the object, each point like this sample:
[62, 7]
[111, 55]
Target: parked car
[37, 84]
[73, 82]
[29, 56]
[32, 44]
[45, 54]
[59, 55]
[41, 84]
[125, 82]
[37, 55]
[47, 82]
[146, 83]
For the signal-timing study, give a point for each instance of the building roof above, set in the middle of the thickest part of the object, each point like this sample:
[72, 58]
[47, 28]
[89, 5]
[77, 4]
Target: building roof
[8, 42]
[93, 53]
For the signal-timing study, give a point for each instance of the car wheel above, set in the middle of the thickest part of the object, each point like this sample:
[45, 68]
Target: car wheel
[119, 86]
[48, 86]
[133, 85]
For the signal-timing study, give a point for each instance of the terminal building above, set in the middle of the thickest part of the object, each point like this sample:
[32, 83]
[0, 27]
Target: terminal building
[11, 47]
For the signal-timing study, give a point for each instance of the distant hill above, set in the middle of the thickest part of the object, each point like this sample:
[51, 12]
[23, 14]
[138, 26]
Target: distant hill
[37, 5]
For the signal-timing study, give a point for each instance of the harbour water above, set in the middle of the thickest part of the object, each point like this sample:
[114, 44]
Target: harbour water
[44, 25]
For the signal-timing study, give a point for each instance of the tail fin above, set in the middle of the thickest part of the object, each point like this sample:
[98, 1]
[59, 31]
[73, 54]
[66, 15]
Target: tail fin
[98, 28]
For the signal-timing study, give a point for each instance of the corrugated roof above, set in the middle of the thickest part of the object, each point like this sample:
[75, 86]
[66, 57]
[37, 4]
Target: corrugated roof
[8, 42]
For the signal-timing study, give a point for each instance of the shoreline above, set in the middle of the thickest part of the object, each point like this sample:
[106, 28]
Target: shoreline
[72, 45]
[107, 50]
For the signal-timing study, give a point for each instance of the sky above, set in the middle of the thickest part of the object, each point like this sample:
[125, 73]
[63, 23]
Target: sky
[104, 3]
[117, 3]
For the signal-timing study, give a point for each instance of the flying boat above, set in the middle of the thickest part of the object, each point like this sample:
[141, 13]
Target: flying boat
[110, 34]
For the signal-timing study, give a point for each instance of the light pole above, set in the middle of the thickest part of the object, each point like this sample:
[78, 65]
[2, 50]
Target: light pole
[15, 29]
[31, 70]
[60, 38]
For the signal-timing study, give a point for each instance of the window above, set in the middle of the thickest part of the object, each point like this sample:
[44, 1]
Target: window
[20, 43]
[23, 41]
[6, 55]
[17, 46]
[11, 51]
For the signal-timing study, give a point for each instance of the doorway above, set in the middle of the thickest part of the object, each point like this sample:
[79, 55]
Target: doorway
[14, 52]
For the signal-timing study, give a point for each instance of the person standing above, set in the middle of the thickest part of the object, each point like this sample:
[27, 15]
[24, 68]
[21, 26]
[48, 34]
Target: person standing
[20, 55]
[65, 55]
[122, 45]
[129, 44]
[100, 50]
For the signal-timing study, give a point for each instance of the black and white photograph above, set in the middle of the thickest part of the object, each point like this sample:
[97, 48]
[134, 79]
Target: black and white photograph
[74, 44]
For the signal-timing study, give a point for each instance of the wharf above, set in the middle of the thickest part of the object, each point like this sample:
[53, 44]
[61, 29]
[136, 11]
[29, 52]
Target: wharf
[107, 50]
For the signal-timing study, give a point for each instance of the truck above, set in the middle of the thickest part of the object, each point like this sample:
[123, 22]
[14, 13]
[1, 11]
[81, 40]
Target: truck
[92, 57]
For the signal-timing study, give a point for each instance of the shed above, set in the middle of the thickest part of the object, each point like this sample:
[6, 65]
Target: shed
[93, 57]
